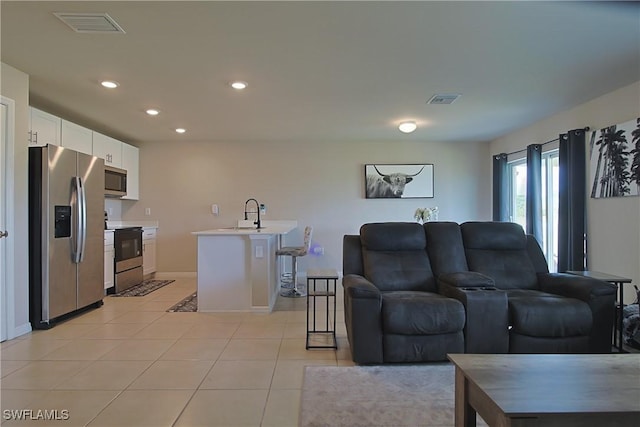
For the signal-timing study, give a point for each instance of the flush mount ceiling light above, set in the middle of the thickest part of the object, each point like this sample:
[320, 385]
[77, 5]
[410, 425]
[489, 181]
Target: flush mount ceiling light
[109, 84]
[181, 130]
[153, 112]
[407, 127]
[239, 85]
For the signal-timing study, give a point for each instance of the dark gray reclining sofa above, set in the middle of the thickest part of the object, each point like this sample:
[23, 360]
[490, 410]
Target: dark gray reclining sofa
[413, 293]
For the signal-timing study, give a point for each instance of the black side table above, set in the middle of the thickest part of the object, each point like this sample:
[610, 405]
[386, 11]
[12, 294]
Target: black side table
[619, 282]
[326, 290]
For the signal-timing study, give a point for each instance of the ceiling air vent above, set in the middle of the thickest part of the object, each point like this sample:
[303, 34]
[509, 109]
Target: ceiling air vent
[443, 98]
[90, 22]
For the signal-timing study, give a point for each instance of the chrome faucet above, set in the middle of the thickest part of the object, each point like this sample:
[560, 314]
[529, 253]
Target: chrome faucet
[257, 211]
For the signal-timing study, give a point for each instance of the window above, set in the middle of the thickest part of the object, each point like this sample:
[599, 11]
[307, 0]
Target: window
[517, 202]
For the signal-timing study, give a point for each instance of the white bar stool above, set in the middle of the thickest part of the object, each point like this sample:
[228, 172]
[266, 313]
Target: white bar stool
[294, 252]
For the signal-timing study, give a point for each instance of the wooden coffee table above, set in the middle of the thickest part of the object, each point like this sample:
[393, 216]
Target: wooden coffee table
[563, 390]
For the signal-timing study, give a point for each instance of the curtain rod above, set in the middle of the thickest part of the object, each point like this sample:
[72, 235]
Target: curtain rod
[586, 129]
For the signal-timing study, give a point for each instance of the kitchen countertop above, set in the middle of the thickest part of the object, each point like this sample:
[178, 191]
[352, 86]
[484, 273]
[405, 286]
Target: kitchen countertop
[112, 225]
[234, 231]
[244, 228]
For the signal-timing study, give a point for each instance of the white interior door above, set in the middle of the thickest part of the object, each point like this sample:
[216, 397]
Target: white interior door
[7, 123]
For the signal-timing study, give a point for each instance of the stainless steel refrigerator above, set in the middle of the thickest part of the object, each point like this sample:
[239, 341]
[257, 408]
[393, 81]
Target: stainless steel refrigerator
[66, 233]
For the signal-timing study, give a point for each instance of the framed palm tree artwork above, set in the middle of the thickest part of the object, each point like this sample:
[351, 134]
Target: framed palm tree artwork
[615, 160]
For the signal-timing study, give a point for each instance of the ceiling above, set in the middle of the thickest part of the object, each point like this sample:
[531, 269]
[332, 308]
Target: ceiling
[321, 71]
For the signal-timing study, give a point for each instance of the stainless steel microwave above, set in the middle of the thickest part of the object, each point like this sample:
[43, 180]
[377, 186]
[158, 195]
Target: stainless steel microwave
[115, 182]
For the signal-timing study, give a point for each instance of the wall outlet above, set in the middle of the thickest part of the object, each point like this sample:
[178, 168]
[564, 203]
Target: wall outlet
[263, 209]
[147, 211]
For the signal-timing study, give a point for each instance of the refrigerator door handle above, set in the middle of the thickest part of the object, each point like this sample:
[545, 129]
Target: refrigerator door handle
[83, 219]
[81, 222]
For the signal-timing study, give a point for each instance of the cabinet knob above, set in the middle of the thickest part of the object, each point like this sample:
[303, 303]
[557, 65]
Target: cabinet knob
[4, 234]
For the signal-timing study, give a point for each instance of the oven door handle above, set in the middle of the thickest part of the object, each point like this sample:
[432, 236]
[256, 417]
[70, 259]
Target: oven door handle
[81, 222]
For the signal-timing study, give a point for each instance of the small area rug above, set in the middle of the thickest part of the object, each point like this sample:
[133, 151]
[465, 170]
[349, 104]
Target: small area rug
[189, 304]
[144, 288]
[398, 395]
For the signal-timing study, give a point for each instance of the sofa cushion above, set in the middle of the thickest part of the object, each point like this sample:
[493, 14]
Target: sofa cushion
[539, 314]
[499, 250]
[399, 271]
[394, 257]
[393, 236]
[420, 313]
[445, 248]
[493, 235]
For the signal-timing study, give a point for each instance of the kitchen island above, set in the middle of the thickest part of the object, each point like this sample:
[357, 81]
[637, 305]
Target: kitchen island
[237, 267]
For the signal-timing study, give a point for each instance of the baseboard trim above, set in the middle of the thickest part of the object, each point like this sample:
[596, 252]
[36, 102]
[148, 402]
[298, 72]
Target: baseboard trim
[20, 330]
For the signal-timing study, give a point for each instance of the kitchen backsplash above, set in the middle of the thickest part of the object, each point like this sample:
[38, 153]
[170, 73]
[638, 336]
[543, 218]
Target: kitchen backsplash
[113, 208]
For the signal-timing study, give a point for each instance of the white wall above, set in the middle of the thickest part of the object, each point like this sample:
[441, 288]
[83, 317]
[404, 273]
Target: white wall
[15, 85]
[613, 223]
[316, 183]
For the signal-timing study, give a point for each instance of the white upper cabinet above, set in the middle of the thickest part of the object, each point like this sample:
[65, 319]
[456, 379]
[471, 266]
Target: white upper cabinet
[77, 138]
[130, 162]
[44, 128]
[107, 148]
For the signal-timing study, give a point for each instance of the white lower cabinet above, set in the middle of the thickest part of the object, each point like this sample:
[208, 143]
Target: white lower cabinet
[148, 251]
[109, 254]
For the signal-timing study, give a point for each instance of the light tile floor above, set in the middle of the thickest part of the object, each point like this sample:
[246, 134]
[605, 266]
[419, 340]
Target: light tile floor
[130, 363]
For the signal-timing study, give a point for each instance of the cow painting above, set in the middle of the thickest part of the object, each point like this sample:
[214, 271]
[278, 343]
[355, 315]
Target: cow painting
[390, 184]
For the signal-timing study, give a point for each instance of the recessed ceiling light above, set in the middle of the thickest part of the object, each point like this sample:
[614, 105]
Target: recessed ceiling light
[407, 127]
[109, 84]
[181, 130]
[153, 112]
[239, 85]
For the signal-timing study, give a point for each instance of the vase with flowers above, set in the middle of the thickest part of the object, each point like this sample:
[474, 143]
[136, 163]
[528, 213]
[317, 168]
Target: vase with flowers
[423, 215]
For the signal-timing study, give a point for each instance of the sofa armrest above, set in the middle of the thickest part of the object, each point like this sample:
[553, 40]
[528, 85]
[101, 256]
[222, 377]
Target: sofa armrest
[572, 286]
[486, 328]
[599, 295]
[362, 317]
[466, 279]
[357, 286]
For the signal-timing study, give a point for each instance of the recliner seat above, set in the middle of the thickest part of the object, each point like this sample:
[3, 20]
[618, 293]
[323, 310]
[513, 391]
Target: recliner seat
[555, 318]
[392, 307]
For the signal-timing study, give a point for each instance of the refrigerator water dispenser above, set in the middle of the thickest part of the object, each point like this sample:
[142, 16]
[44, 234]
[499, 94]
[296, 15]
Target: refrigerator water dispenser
[62, 218]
